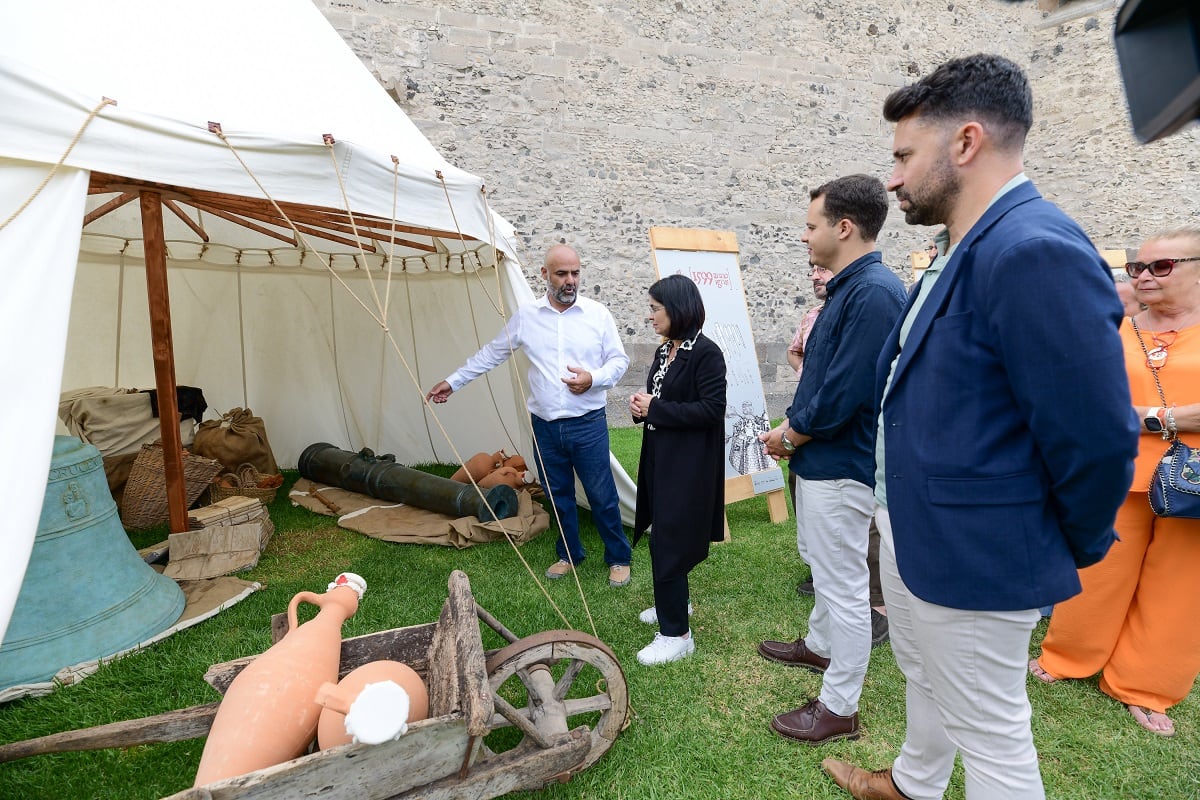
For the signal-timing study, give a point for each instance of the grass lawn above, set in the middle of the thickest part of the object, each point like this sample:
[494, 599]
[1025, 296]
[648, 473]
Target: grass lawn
[699, 727]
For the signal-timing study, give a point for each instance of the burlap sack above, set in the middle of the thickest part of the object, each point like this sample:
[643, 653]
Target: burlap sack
[237, 438]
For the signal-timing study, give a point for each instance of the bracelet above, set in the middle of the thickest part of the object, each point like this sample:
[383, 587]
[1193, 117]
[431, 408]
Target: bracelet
[1172, 429]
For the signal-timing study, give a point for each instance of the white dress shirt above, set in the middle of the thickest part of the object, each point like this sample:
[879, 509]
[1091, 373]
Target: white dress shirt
[583, 336]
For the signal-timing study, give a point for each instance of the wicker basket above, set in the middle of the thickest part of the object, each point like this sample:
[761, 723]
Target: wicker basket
[246, 481]
[144, 503]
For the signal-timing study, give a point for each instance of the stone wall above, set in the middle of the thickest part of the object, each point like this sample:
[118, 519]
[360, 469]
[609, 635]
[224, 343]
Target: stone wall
[591, 122]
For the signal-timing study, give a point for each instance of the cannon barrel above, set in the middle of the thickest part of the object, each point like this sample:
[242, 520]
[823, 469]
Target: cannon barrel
[382, 477]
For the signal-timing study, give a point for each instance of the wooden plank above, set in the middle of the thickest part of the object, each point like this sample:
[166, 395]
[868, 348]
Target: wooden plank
[693, 239]
[738, 489]
[777, 505]
[432, 749]
[443, 682]
[517, 770]
[476, 693]
[409, 645]
[173, 726]
[457, 666]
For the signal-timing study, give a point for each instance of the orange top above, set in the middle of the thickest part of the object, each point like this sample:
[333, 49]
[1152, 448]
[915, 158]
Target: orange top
[1180, 378]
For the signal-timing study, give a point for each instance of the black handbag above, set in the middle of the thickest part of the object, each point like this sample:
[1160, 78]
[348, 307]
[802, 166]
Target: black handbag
[1175, 485]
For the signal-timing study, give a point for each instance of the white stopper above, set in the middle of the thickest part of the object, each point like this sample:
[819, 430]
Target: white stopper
[355, 582]
[379, 713]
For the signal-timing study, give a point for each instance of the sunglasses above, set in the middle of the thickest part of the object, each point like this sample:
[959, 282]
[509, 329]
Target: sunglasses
[1159, 269]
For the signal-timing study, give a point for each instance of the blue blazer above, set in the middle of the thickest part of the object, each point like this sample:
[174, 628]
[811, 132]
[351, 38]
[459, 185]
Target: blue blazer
[1009, 436]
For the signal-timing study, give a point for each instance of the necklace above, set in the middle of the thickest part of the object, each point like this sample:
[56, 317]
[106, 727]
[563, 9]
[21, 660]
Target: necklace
[1157, 357]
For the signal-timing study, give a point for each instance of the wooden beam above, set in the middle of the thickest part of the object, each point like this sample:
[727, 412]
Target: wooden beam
[318, 218]
[112, 205]
[164, 358]
[177, 211]
[245, 223]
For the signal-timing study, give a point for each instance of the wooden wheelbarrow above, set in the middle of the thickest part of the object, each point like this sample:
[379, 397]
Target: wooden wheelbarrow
[560, 694]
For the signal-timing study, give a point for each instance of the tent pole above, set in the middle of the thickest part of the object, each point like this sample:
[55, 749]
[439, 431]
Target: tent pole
[155, 244]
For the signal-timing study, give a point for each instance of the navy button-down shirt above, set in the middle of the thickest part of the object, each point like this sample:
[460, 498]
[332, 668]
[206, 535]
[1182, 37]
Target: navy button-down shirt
[834, 401]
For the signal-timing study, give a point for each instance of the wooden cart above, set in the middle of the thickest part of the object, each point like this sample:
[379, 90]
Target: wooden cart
[524, 698]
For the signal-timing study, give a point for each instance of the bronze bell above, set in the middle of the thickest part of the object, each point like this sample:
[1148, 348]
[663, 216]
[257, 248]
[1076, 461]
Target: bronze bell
[87, 593]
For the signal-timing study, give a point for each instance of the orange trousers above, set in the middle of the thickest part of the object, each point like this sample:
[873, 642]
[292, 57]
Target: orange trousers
[1135, 620]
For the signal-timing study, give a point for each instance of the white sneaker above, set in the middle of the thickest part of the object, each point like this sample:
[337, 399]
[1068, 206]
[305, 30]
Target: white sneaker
[650, 615]
[666, 648]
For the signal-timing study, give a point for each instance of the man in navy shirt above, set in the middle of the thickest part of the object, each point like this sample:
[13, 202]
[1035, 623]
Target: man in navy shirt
[830, 436]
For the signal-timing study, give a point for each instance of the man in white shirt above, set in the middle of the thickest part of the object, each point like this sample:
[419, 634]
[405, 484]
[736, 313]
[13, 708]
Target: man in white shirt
[575, 357]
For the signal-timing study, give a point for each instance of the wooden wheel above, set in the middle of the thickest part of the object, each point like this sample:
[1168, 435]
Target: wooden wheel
[546, 684]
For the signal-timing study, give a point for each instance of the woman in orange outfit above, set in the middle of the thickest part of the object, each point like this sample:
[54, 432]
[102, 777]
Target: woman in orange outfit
[1135, 620]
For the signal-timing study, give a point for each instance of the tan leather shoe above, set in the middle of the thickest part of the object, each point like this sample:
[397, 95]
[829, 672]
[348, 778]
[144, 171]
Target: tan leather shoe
[559, 569]
[619, 575]
[860, 783]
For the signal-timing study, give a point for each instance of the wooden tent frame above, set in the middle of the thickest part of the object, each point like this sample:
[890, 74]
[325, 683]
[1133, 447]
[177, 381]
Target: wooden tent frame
[255, 214]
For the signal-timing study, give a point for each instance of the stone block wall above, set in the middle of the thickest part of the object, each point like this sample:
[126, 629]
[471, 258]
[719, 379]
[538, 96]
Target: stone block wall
[592, 121]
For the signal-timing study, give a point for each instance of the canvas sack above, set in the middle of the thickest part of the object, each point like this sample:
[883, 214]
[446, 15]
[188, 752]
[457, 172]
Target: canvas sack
[237, 438]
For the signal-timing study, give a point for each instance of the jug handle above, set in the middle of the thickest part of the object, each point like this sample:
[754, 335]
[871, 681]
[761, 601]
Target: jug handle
[302, 597]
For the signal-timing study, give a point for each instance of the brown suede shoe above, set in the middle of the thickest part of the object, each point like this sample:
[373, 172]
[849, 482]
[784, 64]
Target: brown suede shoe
[815, 724]
[794, 654]
[863, 785]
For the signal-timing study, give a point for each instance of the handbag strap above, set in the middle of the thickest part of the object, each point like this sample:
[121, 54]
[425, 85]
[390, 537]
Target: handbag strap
[1153, 370]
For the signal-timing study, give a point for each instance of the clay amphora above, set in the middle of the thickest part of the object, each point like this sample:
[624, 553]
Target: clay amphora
[269, 713]
[477, 467]
[392, 696]
[506, 476]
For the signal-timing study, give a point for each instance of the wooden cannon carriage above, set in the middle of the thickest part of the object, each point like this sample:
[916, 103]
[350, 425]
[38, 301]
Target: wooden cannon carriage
[537, 688]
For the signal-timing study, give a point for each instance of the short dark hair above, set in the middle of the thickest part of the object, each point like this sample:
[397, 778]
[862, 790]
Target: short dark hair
[985, 86]
[858, 198]
[681, 299]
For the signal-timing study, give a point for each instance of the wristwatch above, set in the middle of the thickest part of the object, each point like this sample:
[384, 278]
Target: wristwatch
[786, 443]
[1153, 421]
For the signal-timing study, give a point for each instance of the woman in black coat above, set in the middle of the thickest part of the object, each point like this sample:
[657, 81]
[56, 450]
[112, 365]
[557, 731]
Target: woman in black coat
[681, 475]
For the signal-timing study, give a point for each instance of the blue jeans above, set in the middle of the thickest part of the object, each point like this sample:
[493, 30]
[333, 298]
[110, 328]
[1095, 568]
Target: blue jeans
[579, 445]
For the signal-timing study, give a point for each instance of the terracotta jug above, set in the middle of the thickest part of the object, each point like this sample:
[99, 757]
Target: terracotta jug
[477, 466]
[372, 704]
[269, 713]
[504, 475]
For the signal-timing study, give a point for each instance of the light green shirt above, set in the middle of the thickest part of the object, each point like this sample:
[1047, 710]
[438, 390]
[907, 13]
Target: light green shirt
[932, 272]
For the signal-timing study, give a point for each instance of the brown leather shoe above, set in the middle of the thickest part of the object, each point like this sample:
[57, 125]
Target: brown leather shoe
[815, 724]
[794, 654]
[863, 785]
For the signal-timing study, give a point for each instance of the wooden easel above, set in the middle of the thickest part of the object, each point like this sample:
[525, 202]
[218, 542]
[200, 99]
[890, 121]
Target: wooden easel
[717, 266]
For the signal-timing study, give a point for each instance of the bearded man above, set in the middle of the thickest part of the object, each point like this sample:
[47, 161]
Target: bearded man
[575, 357]
[1006, 438]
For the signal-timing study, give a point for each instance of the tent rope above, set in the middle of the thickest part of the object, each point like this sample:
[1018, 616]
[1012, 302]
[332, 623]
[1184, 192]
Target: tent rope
[216, 129]
[379, 305]
[537, 450]
[106, 101]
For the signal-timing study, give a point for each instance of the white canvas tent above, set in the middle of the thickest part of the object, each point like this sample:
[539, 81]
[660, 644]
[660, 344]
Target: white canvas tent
[325, 264]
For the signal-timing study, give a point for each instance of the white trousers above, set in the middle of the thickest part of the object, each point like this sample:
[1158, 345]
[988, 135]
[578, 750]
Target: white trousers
[965, 693]
[833, 519]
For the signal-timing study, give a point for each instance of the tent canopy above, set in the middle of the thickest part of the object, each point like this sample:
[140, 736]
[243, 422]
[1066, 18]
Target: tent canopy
[326, 264]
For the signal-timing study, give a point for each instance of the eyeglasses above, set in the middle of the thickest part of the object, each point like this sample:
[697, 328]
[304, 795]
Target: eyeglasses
[655, 309]
[1159, 269]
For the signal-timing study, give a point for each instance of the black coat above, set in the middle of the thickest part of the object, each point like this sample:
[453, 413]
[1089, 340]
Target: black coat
[681, 474]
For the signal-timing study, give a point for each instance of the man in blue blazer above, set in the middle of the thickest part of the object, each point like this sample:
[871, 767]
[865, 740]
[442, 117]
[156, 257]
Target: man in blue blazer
[1006, 434]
